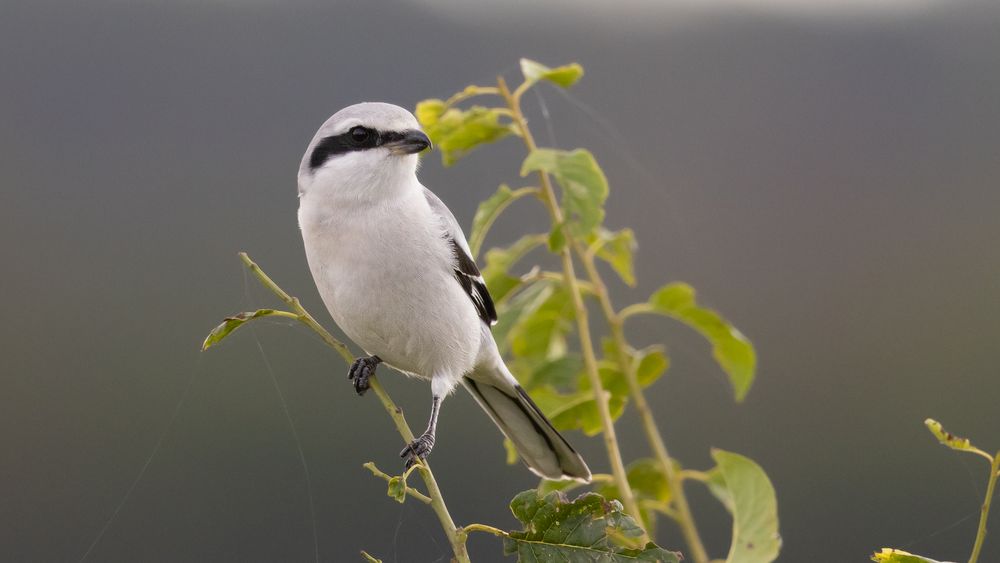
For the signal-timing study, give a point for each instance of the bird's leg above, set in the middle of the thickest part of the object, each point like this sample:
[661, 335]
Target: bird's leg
[422, 446]
[362, 369]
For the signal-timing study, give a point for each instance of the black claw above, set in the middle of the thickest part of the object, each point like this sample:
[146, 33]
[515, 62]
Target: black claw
[418, 449]
[361, 370]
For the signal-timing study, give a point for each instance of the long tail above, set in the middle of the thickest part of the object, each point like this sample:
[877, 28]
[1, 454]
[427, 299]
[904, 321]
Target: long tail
[541, 447]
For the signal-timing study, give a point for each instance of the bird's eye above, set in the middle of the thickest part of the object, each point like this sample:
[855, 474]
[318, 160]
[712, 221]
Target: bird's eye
[360, 134]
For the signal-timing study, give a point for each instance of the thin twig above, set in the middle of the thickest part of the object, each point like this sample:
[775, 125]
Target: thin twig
[437, 500]
[985, 511]
[410, 491]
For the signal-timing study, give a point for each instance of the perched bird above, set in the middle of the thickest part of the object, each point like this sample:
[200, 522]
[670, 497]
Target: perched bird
[395, 271]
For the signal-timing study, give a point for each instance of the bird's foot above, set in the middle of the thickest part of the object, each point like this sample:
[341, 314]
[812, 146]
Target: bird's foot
[361, 370]
[418, 449]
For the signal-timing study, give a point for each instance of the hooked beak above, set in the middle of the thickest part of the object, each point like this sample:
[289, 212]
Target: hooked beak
[410, 142]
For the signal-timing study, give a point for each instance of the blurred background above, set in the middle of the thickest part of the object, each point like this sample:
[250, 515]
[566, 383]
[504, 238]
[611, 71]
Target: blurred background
[824, 173]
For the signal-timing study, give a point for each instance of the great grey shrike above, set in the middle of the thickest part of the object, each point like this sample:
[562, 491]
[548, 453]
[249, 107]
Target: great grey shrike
[395, 271]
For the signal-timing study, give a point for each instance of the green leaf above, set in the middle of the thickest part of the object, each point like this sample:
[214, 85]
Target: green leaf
[616, 248]
[653, 363]
[455, 131]
[511, 451]
[397, 489]
[522, 304]
[576, 410]
[541, 332]
[557, 238]
[947, 438]
[648, 482]
[584, 187]
[732, 350]
[499, 261]
[229, 324]
[557, 372]
[564, 76]
[488, 212]
[429, 112]
[888, 555]
[746, 492]
[588, 529]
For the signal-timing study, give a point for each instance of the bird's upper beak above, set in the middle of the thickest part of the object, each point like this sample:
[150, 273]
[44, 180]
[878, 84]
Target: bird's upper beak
[411, 142]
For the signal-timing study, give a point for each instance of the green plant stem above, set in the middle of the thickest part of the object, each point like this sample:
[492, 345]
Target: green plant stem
[464, 530]
[548, 197]
[437, 500]
[410, 491]
[683, 515]
[990, 488]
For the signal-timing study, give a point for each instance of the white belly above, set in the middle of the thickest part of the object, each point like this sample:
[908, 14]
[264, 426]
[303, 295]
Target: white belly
[384, 285]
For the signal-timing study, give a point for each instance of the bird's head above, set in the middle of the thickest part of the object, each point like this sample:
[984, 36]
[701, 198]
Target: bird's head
[361, 150]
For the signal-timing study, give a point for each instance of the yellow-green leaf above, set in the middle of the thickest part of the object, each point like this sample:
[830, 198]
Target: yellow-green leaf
[564, 76]
[947, 438]
[584, 187]
[616, 248]
[397, 489]
[732, 350]
[429, 112]
[488, 212]
[496, 271]
[575, 410]
[455, 131]
[889, 555]
[229, 324]
[746, 492]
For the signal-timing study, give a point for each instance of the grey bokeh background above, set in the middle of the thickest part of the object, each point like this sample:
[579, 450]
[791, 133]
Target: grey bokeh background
[825, 177]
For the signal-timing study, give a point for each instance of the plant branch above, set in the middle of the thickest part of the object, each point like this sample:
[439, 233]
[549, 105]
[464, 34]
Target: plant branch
[437, 501]
[683, 516]
[410, 491]
[583, 325]
[464, 530]
[985, 513]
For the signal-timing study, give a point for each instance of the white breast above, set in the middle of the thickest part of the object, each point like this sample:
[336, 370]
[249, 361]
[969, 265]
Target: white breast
[385, 274]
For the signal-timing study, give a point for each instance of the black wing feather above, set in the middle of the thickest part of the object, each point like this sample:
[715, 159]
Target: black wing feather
[472, 282]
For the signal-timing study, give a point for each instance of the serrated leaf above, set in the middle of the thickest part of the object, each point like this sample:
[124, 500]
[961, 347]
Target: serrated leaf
[229, 324]
[558, 372]
[564, 76]
[584, 187]
[746, 492]
[733, 352]
[888, 555]
[588, 529]
[617, 248]
[948, 439]
[489, 210]
[456, 131]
